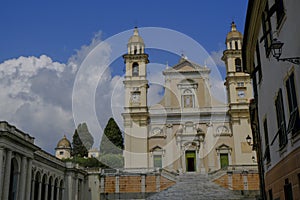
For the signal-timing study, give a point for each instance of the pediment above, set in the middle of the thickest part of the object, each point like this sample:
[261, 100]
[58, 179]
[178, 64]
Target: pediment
[223, 147]
[185, 65]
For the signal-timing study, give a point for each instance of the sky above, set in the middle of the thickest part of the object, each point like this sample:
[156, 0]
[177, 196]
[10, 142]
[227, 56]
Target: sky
[44, 43]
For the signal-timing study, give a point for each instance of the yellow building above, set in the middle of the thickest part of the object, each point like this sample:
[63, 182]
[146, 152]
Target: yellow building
[188, 130]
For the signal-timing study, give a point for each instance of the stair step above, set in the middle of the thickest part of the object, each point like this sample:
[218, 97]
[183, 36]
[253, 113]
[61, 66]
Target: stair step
[197, 186]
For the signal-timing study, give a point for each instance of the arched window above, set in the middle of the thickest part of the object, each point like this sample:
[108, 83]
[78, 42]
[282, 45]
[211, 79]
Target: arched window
[14, 178]
[188, 99]
[236, 45]
[135, 69]
[44, 185]
[37, 181]
[50, 183]
[135, 50]
[238, 65]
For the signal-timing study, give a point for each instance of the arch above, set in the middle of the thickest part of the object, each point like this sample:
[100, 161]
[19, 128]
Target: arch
[135, 69]
[37, 180]
[190, 145]
[188, 99]
[14, 179]
[135, 50]
[236, 45]
[222, 131]
[44, 185]
[56, 189]
[156, 131]
[238, 65]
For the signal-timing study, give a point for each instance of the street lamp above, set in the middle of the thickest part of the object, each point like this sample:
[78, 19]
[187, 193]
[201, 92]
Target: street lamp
[276, 49]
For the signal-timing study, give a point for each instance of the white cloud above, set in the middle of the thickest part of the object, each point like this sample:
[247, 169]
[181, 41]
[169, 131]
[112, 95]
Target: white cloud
[215, 58]
[36, 93]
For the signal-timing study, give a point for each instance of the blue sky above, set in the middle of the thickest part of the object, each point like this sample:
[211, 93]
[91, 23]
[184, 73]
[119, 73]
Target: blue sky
[42, 44]
[57, 28]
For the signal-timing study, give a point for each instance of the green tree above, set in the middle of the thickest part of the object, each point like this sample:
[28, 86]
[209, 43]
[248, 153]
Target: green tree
[112, 160]
[112, 140]
[79, 150]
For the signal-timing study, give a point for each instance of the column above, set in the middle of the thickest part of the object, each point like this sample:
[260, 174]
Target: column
[2, 151]
[229, 180]
[7, 174]
[83, 191]
[157, 182]
[117, 185]
[202, 167]
[57, 193]
[40, 189]
[245, 180]
[143, 184]
[183, 160]
[76, 188]
[32, 189]
[64, 196]
[102, 184]
[29, 177]
[52, 190]
[46, 189]
[218, 160]
[23, 178]
[198, 162]
[229, 158]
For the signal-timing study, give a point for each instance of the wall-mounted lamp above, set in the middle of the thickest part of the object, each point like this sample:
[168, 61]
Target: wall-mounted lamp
[253, 159]
[276, 49]
[201, 136]
[248, 139]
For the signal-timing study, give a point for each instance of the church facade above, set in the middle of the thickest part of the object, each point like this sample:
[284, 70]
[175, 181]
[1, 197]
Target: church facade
[188, 130]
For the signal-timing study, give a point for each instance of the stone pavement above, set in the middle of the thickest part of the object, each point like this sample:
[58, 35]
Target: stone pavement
[197, 186]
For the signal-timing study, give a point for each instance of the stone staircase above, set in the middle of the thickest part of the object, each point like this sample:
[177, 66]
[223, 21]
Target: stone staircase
[197, 186]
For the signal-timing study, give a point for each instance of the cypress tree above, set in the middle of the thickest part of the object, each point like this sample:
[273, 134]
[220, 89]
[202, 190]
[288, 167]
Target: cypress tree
[112, 140]
[79, 150]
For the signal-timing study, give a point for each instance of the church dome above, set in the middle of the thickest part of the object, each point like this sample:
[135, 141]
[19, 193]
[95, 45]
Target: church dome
[233, 34]
[136, 38]
[64, 143]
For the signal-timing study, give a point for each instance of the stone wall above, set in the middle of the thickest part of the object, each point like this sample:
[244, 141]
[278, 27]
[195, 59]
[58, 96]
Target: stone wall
[132, 185]
[239, 181]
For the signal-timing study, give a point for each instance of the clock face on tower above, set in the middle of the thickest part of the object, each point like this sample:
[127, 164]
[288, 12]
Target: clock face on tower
[241, 94]
[135, 97]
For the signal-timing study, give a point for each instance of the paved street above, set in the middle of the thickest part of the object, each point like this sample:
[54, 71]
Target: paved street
[196, 186]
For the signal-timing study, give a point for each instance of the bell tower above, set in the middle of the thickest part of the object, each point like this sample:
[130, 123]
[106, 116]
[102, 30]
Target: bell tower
[136, 114]
[239, 93]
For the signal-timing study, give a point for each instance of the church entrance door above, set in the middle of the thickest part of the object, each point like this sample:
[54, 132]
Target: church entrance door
[190, 161]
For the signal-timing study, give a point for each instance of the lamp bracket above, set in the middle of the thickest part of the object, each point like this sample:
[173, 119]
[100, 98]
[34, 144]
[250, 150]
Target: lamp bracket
[295, 60]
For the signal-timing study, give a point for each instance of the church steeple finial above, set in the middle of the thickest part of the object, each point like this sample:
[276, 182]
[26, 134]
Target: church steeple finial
[136, 43]
[136, 31]
[233, 26]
